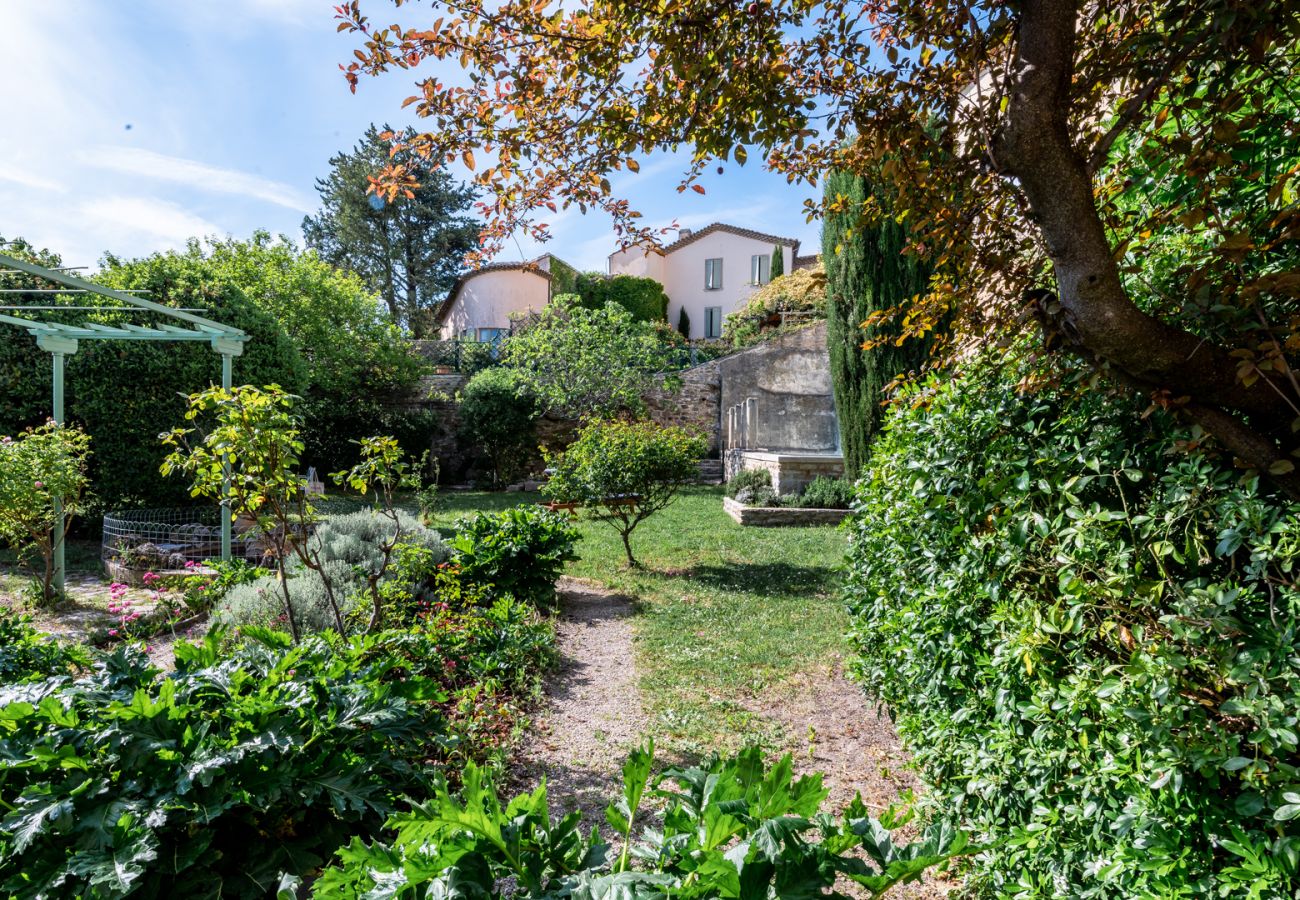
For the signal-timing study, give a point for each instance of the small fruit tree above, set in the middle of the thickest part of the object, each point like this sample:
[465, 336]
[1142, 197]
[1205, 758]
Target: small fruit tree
[39, 469]
[625, 472]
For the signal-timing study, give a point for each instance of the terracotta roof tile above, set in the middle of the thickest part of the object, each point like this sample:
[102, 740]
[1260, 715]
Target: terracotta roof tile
[731, 229]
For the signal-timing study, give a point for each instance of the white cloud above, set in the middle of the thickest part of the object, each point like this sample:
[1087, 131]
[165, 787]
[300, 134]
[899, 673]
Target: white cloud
[28, 179]
[163, 222]
[197, 175]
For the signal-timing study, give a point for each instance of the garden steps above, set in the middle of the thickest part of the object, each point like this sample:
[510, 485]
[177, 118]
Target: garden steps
[710, 471]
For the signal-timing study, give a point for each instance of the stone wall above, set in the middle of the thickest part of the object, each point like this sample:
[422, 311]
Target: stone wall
[777, 516]
[791, 472]
[785, 387]
[789, 377]
[695, 405]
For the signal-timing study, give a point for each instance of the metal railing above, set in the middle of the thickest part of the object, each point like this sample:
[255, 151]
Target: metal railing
[459, 355]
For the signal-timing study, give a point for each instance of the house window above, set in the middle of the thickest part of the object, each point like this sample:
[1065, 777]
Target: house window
[759, 268]
[492, 335]
[713, 274]
[713, 321]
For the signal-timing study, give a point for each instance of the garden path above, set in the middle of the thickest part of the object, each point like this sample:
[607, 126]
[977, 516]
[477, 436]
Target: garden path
[592, 713]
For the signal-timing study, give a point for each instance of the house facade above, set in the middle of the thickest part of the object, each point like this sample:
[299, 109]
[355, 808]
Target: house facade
[481, 303]
[709, 273]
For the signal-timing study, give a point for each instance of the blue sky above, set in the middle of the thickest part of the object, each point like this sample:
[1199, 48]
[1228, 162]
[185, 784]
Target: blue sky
[132, 125]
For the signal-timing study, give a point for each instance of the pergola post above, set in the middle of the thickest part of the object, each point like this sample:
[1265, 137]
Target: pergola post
[58, 347]
[228, 349]
[60, 340]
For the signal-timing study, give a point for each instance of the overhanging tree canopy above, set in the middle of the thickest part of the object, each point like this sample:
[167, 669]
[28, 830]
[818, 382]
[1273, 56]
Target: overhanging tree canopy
[61, 340]
[1040, 150]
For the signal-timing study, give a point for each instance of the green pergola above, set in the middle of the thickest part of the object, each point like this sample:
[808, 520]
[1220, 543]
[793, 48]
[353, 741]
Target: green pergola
[61, 340]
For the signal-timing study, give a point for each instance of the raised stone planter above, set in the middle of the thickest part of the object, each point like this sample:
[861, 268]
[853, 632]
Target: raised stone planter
[782, 515]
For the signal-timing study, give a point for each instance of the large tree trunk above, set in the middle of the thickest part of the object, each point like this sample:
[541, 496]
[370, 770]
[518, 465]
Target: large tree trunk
[1096, 315]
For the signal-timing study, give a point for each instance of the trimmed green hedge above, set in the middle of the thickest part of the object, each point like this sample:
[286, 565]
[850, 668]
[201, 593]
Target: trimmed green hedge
[1088, 636]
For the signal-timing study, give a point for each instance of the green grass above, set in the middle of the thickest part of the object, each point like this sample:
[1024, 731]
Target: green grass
[726, 614]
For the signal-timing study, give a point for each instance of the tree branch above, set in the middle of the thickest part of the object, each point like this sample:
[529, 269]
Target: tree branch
[1095, 313]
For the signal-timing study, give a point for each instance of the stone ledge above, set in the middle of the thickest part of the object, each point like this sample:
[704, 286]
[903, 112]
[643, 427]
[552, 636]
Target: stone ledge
[770, 516]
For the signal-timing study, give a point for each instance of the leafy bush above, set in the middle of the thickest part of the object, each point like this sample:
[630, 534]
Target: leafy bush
[824, 492]
[643, 298]
[584, 363]
[37, 467]
[214, 780]
[349, 549]
[1088, 636]
[356, 360]
[625, 472]
[498, 412]
[748, 478]
[518, 552]
[729, 828]
[802, 292]
[28, 655]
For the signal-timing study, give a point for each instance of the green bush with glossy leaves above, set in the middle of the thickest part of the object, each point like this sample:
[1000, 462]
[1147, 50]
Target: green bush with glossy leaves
[517, 552]
[1088, 635]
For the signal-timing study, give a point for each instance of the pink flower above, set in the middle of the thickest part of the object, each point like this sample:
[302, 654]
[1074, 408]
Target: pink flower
[150, 577]
[112, 632]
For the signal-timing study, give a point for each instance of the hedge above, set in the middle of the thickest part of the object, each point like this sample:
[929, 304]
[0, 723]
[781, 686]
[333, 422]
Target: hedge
[1088, 636]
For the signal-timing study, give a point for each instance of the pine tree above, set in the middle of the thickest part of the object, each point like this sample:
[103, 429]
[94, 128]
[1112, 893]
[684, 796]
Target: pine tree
[409, 250]
[866, 271]
[778, 263]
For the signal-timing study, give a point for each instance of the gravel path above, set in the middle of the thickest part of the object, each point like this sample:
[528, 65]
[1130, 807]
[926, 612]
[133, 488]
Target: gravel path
[592, 713]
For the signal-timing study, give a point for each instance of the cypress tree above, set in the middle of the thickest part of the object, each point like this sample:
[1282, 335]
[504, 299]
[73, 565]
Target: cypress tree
[778, 263]
[866, 271]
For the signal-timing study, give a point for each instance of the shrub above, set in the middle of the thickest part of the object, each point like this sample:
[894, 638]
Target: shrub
[124, 393]
[643, 298]
[28, 655]
[684, 323]
[517, 552]
[763, 495]
[498, 412]
[625, 472]
[729, 828]
[748, 478]
[37, 467]
[824, 492]
[200, 783]
[584, 363]
[1088, 636]
[349, 550]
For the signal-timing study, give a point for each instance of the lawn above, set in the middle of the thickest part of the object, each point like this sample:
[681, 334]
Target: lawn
[726, 615]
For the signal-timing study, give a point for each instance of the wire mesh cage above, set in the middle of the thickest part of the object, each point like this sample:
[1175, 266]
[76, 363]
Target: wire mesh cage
[165, 540]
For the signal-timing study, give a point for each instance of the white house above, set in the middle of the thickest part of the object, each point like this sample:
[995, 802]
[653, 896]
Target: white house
[709, 273]
[481, 303]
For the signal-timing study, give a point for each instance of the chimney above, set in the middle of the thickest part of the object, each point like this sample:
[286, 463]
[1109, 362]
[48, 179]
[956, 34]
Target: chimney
[683, 233]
